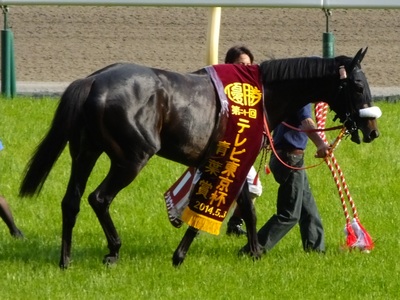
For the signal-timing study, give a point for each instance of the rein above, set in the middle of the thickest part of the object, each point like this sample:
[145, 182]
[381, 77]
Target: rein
[312, 130]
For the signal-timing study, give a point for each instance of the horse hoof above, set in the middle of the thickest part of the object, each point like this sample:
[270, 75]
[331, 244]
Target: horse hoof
[110, 260]
[17, 234]
[64, 264]
[246, 251]
[177, 260]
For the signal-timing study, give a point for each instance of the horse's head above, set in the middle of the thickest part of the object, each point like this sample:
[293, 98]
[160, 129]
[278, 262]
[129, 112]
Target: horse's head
[353, 104]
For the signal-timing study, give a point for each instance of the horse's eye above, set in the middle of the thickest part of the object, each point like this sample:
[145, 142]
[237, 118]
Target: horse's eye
[359, 87]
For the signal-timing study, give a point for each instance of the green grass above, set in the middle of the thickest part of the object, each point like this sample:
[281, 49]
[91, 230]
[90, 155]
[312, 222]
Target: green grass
[212, 269]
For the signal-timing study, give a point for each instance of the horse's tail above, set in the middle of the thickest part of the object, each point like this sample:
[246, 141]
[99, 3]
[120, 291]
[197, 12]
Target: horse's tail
[66, 120]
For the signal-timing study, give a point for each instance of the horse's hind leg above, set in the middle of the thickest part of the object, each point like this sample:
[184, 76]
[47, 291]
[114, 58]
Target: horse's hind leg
[82, 166]
[120, 175]
[184, 245]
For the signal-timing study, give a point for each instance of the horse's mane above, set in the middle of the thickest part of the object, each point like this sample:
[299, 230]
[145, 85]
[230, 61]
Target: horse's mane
[298, 68]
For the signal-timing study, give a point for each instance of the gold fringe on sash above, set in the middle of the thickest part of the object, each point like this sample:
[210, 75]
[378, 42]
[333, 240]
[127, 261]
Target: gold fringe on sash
[201, 222]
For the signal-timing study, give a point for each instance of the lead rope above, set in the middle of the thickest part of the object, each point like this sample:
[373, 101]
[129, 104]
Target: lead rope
[356, 235]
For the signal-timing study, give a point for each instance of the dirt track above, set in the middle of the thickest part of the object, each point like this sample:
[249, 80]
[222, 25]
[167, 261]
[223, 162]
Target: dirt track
[63, 43]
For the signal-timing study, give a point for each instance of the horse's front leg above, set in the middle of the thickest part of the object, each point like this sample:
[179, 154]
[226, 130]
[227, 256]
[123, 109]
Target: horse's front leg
[246, 206]
[184, 245]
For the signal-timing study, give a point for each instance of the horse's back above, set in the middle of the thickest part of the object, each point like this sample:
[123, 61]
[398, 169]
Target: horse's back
[168, 113]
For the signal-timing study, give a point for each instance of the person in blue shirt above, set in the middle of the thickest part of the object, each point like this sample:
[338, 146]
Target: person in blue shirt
[295, 203]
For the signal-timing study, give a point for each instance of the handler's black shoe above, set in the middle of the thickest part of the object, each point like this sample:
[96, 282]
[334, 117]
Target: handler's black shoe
[235, 227]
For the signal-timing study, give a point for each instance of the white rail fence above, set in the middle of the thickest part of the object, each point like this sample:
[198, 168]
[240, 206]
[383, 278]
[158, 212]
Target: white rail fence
[323, 4]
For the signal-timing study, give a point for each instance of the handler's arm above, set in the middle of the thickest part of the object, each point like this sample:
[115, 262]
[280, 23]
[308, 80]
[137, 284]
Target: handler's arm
[322, 147]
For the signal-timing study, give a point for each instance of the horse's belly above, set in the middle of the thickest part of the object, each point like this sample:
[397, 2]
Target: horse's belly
[187, 147]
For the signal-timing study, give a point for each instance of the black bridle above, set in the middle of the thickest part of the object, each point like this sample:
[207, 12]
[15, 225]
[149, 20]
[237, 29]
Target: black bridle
[344, 94]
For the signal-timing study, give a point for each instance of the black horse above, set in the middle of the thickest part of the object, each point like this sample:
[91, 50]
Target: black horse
[132, 112]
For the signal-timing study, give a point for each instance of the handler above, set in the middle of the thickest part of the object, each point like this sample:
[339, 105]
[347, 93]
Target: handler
[295, 202]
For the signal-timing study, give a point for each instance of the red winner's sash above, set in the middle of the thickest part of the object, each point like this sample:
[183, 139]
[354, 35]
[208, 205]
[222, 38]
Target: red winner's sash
[226, 168]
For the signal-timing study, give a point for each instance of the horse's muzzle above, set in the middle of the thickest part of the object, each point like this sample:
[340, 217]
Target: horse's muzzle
[371, 136]
[371, 131]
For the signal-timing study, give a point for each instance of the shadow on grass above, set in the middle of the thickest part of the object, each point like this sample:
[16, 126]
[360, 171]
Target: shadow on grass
[161, 245]
[89, 246]
[42, 250]
[29, 249]
[38, 249]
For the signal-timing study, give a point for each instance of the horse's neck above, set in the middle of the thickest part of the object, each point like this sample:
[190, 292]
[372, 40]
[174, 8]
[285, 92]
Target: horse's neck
[282, 101]
[289, 84]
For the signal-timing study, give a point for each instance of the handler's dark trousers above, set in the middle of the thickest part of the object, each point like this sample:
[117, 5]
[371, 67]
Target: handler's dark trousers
[295, 204]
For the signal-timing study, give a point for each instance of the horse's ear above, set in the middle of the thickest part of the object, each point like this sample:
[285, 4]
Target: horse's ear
[363, 54]
[357, 59]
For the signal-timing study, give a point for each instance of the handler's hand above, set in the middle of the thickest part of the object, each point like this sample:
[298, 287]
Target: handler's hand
[323, 151]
